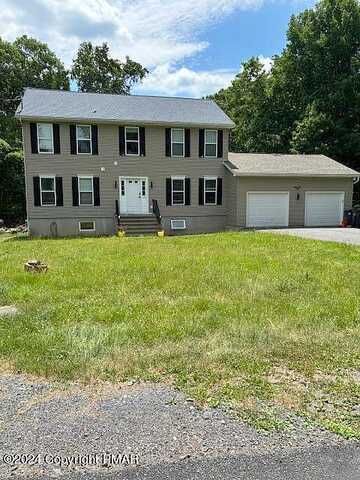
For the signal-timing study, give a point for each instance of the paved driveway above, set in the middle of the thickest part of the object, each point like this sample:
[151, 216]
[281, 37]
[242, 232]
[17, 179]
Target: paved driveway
[340, 235]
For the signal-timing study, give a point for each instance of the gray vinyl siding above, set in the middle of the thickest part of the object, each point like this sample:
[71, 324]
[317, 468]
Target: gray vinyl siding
[155, 165]
[296, 207]
[231, 188]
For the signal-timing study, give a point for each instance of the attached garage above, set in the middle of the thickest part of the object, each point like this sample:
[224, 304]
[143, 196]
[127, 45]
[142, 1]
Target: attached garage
[324, 209]
[281, 190]
[267, 209]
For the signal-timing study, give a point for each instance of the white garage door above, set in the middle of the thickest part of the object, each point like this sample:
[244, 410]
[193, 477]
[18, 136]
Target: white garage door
[267, 209]
[324, 209]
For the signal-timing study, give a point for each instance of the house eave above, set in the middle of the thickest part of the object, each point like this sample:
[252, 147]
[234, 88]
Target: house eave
[28, 118]
[284, 175]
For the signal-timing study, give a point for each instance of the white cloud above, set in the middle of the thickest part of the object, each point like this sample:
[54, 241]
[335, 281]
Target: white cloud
[267, 62]
[167, 80]
[156, 33]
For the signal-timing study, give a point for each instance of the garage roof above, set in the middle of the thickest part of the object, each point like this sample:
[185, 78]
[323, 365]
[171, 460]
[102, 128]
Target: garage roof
[286, 165]
[39, 104]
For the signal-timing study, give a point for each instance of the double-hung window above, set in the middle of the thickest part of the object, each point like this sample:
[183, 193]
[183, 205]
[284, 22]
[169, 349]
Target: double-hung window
[177, 142]
[86, 191]
[178, 191]
[47, 191]
[211, 143]
[83, 139]
[45, 137]
[132, 141]
[210, 191]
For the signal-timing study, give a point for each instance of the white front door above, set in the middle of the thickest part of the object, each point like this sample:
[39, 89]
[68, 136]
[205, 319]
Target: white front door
[134, 195]
[324, 209]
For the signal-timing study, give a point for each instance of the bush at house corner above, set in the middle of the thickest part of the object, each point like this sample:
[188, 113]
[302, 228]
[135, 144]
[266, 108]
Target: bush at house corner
[12, 185]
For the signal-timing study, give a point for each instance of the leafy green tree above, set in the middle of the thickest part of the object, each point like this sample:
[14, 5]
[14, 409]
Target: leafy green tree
[324, 49]
[25, 63]
[310, 101]
[95, 71]
[246, 102]
[12, 184]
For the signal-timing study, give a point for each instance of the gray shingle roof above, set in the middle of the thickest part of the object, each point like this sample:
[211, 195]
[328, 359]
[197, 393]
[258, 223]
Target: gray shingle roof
[261, 164]
[63, 105]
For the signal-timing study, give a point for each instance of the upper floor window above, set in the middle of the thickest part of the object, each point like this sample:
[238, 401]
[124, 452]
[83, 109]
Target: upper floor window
[211, 143]
[47, 191]
[132, 140]
[83, 139]
[178, 191]
[177, 142]
[86, 191]
[45, 138]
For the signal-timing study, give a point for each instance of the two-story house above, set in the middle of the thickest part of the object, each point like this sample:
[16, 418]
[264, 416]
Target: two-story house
[92, 159]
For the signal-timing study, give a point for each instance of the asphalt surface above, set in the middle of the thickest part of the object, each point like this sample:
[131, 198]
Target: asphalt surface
[168, 435]
[339, 235]
[340, 463]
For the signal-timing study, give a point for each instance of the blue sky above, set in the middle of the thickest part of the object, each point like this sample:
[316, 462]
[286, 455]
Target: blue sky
[192, 48]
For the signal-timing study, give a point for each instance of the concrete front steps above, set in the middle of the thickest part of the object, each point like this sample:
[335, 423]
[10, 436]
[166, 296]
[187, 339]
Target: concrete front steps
[135, 225]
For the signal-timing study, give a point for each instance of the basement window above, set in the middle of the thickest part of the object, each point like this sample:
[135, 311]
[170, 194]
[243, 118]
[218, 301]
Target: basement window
[87, 226]
[178, 224]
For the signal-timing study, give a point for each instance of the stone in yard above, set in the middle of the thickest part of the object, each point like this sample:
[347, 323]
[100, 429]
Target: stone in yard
[9, 310]
[35, 266]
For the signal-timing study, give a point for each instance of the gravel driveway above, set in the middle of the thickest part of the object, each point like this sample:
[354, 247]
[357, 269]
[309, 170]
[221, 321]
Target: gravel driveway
[340, 235]
[154, 425]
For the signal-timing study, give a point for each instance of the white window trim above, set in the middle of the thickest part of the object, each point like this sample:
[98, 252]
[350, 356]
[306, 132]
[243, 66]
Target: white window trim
[39, 138]
[172, 191]
[179, 143]
[52, 191]
[172, 222]
[132, 141]
[87, 139]
[87, 229]
[207, 143]
[92, 185]
[216, 190]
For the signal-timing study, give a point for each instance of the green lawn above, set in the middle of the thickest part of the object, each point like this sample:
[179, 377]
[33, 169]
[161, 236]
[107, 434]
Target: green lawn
[262, 322]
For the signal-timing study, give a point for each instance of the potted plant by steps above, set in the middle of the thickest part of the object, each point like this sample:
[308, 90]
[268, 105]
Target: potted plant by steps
[161, 233]
[121, 232]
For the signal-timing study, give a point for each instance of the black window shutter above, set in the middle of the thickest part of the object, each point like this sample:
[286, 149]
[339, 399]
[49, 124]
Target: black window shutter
[168, 191]
[201, 191]
[201, 142]
[168, 142]
[220, 144]
[121, 141]
[187, 192]
[33, 138]
[59, 192]
[73, 139]
[219, 191]
[94, 140]
[36, 181]
[75, 191]
[56, 136]
[96, 187]
[187, 142]
[142, 141]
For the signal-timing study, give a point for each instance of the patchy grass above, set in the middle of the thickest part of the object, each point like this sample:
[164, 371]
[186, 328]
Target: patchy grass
[261, 322]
